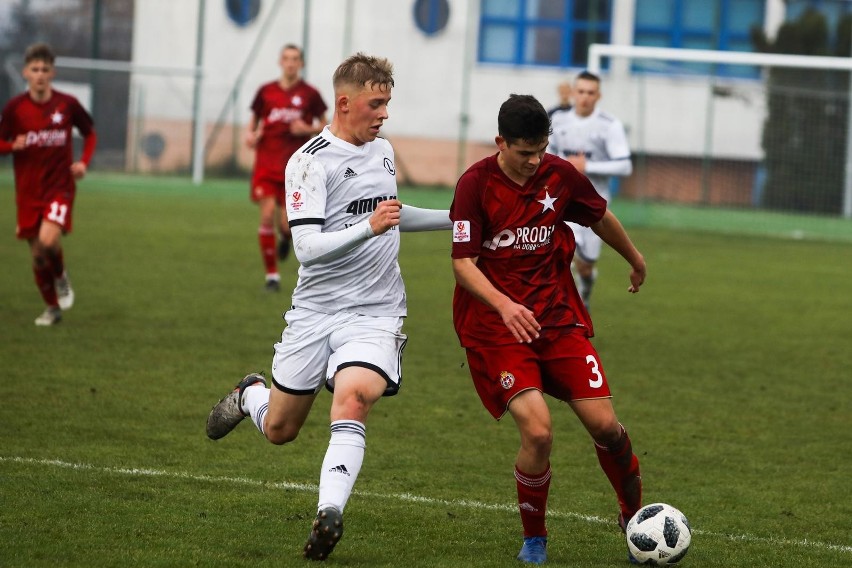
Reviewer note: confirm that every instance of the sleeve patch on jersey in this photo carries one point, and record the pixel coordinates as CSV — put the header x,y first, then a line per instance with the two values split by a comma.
x,y
297,202
461,231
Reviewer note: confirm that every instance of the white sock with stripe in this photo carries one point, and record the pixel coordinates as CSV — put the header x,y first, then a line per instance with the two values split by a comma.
x,y
255,402
342,463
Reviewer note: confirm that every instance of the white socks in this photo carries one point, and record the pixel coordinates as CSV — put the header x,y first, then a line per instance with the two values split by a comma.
x,y
254,402
344,456
342,463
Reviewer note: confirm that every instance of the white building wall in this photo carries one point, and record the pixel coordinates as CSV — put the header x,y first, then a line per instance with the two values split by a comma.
x,y
432,93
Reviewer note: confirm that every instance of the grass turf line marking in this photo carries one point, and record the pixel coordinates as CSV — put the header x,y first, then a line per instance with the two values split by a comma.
x,y
464,503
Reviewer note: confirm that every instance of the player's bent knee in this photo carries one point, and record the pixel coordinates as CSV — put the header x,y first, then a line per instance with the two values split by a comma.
x,y
606,433
539,440
280,435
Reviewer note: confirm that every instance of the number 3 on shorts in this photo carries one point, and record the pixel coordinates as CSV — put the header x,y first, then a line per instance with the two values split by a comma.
x,y
598,380
57,213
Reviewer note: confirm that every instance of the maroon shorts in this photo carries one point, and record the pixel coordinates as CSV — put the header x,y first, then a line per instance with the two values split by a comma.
x,y
264,187
564,366
32,214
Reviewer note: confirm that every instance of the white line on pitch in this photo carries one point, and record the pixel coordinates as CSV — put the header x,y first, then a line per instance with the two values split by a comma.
x,y
145,472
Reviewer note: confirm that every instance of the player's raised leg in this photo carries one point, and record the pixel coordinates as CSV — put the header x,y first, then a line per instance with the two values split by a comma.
x,y
615,452
228,412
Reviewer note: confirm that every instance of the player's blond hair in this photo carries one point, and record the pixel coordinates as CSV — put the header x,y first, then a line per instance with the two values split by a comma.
x,y
361,70
39,52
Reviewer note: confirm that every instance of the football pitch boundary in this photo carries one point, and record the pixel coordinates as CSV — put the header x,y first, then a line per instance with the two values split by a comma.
x,y
463,503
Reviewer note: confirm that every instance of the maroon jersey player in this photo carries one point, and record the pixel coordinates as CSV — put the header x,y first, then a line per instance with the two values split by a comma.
x,y
285,114
36,127
517,311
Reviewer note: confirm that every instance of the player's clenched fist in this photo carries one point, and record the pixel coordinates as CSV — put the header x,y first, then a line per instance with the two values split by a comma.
x,y
385,216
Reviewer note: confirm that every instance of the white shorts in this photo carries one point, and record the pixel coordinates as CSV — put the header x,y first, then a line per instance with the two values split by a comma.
x,y
588,242
314,346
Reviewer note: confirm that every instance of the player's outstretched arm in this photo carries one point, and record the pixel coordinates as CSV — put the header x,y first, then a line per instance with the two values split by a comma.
x,y
418,219
620,167
312,246
609,229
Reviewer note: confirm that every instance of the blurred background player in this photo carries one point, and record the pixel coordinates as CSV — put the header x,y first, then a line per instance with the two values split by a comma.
x,y
36,127
596,144
563,89
285,114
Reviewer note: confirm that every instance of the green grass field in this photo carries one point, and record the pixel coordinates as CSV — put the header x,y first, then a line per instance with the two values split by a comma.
x,y
731,370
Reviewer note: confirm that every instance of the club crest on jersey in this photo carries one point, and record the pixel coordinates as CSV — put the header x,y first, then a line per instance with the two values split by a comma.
x,y
461,232
507,379
389,166
296,203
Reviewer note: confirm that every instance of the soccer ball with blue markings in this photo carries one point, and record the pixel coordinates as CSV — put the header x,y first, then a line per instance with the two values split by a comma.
x,y
658,535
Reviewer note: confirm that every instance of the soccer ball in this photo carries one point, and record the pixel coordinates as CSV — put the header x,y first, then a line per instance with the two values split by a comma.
x,y
658,535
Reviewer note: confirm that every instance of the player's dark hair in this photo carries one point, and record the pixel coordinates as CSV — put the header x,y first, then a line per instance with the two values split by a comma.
x,y
589,76
361,69
297,48
39,52
522,117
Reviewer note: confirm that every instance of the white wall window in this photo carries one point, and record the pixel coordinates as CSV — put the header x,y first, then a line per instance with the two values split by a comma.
x,y
542,32
723,25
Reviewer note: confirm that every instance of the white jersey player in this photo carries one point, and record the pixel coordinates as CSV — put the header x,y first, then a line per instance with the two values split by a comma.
x,y
333,187
596,144
344,330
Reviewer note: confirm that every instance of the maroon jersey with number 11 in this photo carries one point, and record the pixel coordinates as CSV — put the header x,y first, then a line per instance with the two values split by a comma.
x,y
43,168
523,245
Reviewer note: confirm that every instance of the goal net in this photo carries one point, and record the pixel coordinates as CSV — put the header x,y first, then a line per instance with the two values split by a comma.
x,y
751,133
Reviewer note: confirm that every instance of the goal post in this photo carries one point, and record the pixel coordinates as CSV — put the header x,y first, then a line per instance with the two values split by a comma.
x,y
155,78
708,120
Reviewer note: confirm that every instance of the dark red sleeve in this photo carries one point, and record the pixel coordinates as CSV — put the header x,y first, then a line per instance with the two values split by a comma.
x,y
89,142
257,104
467,216
6,130
85,125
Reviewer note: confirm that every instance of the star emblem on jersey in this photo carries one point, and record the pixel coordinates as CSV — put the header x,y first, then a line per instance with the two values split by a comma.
x,y
547,202
56,117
